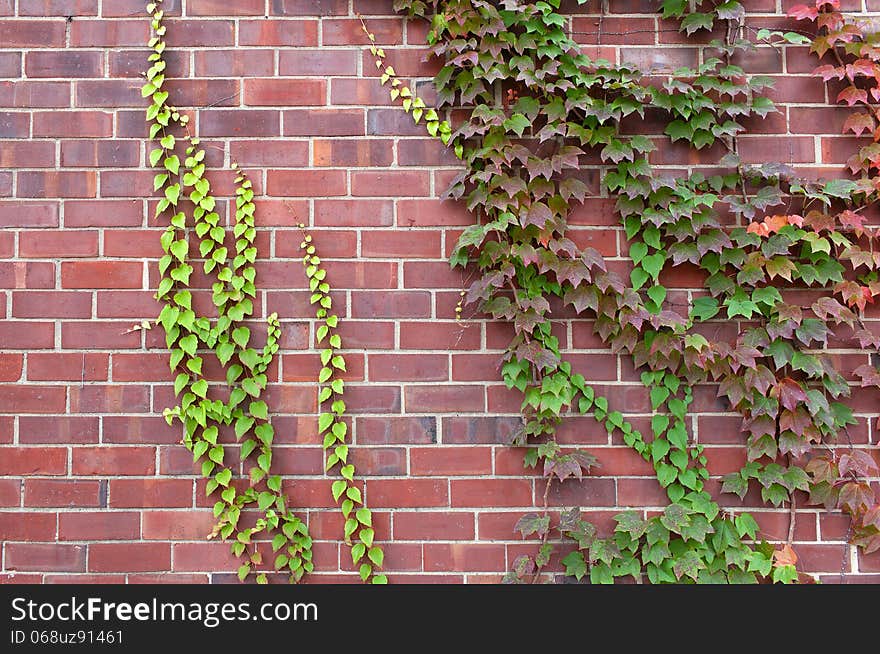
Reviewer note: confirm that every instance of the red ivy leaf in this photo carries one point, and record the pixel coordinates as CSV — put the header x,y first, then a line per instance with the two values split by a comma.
x,y
862,67
852,95
790,393
858,123
538,214
857,462
856,497
869,375
803,12
829,72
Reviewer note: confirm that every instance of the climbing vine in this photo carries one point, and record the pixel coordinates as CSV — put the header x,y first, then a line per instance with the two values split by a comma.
x,y
191,337
756,232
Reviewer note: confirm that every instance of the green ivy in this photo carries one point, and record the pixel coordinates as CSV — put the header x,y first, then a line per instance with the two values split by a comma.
x,y
192,337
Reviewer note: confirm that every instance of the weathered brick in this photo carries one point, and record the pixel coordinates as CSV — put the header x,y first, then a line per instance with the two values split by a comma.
x,y
64,63
45,558
32,33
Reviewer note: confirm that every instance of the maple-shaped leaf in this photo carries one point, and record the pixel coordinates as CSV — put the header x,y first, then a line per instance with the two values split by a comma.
x,y
569,518
829,72
688,564
858,123
532,523
582,298
784,555
534,352
862,68
790,393
538,214
869,375
858,463
856,497
632,523
796,419
791,443
851,95
803,12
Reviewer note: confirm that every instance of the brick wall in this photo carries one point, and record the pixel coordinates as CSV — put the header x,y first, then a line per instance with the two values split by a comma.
x,y
95,487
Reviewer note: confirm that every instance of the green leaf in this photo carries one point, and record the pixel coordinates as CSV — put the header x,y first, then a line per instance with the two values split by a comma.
x,y
338,489
377,556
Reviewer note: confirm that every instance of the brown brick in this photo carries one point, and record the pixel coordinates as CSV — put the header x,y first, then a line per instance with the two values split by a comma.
x,y
285,92
32,33
27,154
46,558
64,64
78,124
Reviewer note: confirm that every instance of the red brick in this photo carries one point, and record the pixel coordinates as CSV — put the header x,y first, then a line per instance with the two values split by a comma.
x,y
344,90
14,125
108,461
353,213
224,8
306,182
177,525
288,33
110,398
168,578
33,461
446,460
319,61
32,399
102,274
45,558
463,335
374,461
139,429
240,122
10,64
133,493
10,492
323,122
57,366
467,557
103,213
377,431
270,153
28,214
408,367
380,183
99,525
445,399
275,91
491,492
61,492
45,429
54,245
64,63
31,95
44,8
98,335
10,367
349,152
129,557
73,124
77,154
401,493
32,184
422,525
32,33
30,526
27,154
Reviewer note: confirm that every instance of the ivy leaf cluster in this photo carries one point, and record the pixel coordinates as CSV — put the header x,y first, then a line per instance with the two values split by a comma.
x,y
520,178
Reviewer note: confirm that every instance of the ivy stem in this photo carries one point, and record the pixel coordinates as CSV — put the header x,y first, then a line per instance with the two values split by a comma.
x,y
546,533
